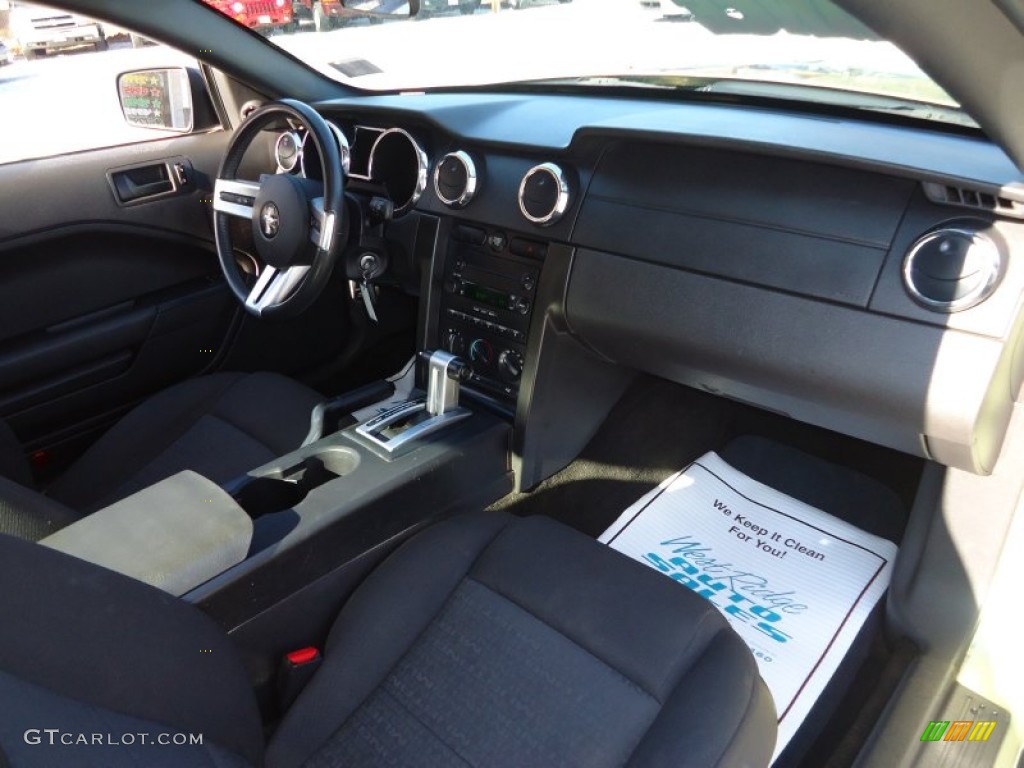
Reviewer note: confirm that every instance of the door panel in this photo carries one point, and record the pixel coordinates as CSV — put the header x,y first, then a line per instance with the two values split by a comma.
x,y
108,295
180,340
67,279
66,193
102,303
93,323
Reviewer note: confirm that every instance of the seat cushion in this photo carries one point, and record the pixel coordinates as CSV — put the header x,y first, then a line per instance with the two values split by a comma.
x,y
220,426
485,641
88,651
30,515
497,641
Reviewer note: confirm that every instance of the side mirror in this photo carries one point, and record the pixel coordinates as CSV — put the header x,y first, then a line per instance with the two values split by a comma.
x,y
157,98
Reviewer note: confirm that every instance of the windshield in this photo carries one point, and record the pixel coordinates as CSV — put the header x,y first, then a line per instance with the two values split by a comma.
x,y
792,49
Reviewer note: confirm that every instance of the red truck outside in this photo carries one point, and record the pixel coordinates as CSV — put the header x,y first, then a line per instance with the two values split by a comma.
x,y
261,15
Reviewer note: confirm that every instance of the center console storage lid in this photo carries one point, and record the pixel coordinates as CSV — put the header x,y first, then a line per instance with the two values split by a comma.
x,y
175,535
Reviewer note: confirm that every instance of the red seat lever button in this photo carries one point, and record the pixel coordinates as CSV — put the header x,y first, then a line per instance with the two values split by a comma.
x,y
303,656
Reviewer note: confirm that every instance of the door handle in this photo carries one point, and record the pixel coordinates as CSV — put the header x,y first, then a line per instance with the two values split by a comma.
x,y
144,181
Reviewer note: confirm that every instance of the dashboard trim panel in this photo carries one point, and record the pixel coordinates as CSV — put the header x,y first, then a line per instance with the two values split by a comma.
x,y
795,216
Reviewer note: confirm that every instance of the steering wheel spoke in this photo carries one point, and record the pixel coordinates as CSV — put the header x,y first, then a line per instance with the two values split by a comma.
x,y
235,197
274,286
321,233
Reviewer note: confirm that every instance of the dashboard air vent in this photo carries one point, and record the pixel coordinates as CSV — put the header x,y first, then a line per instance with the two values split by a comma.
x,y
544,194
950,194
455,179
953,268
249,107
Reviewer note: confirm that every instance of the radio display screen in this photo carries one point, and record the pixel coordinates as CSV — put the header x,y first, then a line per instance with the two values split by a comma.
x,y
485,295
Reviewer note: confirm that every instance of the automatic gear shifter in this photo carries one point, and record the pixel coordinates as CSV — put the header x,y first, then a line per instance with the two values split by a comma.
x,y
443,376
399,427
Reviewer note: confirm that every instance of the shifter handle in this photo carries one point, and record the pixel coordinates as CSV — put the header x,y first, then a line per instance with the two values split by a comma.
x,y
457,369
444,373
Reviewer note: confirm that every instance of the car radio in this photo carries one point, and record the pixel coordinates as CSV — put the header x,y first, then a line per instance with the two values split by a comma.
x,y
489,289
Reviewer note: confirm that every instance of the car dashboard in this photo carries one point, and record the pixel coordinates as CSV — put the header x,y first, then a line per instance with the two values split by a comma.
x,y
851,274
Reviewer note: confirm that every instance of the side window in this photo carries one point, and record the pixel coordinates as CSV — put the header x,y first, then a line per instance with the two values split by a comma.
x,y
60,89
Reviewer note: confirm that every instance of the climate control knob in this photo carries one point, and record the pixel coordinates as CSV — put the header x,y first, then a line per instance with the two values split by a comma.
x,y
510,365
481,352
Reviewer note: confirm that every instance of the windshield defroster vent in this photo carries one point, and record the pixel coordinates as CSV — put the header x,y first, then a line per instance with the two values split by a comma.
x,y
965,197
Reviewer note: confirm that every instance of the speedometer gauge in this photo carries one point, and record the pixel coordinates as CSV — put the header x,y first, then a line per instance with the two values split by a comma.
x,y
310,157
399,163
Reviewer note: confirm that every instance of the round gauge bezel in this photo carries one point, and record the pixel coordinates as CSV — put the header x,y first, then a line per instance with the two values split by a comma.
x,y
344,150
422,168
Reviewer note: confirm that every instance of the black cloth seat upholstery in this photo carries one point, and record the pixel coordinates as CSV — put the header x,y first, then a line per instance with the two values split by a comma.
x,y
220,426
486,640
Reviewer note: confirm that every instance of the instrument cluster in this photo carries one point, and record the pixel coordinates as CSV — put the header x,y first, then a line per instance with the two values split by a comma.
x,y
389,157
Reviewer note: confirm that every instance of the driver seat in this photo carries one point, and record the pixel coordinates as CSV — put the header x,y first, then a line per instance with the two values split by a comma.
x,y
220,426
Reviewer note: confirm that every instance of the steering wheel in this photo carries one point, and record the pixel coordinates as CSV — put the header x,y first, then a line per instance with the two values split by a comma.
x,y
297,223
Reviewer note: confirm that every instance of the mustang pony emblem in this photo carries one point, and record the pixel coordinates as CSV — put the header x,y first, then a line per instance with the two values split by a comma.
x,y
270,220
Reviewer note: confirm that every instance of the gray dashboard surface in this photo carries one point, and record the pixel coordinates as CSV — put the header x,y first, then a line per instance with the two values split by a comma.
x,y
549,123
795,226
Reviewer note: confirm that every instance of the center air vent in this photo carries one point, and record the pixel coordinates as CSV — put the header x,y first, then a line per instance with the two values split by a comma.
x,y
544,194
455,179
952,269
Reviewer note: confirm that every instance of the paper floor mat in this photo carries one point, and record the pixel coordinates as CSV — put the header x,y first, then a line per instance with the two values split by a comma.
x,y
796,583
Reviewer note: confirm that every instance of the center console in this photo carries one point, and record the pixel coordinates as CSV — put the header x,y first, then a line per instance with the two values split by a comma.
x,y
488,296
496,298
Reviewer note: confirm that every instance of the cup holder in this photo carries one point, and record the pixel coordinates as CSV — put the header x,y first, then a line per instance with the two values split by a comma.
x,y
340,461
283,489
